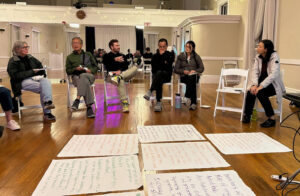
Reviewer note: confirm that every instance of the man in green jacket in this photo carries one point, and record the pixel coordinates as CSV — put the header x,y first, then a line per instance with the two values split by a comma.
x,y
81,66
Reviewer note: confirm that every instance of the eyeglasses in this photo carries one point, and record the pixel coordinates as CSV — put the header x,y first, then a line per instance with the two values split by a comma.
x,y
25,47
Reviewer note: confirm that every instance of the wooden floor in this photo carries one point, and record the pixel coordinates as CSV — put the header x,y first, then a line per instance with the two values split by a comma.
x,y
25,155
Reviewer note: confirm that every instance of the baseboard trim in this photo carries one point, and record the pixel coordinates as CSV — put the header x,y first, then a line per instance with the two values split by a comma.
x,y
292,90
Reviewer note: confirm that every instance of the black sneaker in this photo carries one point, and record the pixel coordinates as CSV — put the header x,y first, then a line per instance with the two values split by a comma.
x,y
268,123
1,130
75,104
90,112
49,117
49,105
246,119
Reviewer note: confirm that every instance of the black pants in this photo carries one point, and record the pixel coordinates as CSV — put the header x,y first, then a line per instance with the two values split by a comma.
x,y
5,99
263,97
191,87
158,79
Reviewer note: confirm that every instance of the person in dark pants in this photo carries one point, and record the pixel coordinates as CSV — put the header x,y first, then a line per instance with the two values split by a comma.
x,y
189,65
6,103
265,82
161,63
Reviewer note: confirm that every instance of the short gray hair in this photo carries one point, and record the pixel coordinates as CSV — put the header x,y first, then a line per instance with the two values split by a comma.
x,y
18,45
79,38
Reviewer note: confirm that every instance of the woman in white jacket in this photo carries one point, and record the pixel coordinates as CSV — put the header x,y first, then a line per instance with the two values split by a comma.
x,y
265,82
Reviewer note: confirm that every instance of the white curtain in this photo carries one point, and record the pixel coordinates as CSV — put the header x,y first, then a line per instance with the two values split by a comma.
x,y
70,36
261,24
35,48
270,18
15,35
56,61
125,35
151,41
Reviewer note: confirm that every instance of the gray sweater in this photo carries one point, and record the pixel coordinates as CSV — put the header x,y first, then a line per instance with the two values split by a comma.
x,y
195,63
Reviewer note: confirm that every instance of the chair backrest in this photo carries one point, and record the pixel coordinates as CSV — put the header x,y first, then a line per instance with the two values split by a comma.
x,y
234,72
230,64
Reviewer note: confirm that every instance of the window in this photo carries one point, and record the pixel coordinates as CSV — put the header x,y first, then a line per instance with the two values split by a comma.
x,y
223,9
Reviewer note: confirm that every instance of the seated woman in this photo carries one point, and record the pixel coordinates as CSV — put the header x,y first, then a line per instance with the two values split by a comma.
x,y
189,65
265,82
6,103
26,73
161,68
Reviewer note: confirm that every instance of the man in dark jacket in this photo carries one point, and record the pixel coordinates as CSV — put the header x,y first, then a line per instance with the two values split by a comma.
x,y
82,66
116,65
27,73
161,72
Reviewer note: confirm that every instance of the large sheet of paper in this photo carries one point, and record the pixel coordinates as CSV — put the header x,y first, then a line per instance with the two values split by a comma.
x,y
100,145
246,143
90,175
209,183
162,133
169,156
138,193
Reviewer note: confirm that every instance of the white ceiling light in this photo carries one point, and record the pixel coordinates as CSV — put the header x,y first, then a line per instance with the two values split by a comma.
x,y
139,27
74,25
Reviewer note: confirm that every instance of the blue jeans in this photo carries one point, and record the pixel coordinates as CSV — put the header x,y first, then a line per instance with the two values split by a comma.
x,y
42,87
5,99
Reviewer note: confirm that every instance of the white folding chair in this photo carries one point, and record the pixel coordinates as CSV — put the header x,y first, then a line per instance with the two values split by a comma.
x,y
277,111
71,85
170,85
231,79
183,87
146,65
20,108
106,84
222,88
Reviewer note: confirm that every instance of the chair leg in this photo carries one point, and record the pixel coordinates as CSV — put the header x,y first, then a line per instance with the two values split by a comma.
x,y
19,109
95,100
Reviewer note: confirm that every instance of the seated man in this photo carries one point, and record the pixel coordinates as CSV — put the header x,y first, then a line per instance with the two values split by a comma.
x,y
27,73
161,72
81,66
147,55
117,67
6,103
138,58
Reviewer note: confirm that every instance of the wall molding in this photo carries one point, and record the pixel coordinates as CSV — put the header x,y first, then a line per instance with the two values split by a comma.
x,y
233,19
292,90
4,57
290,61
216,58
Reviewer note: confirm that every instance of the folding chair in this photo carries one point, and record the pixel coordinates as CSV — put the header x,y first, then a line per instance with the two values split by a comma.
x,y
170,85
222,88
183,87
71,85
147,65
106,97
20,108
277,111
231,79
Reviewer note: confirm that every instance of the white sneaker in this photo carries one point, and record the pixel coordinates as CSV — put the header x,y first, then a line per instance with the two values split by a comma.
x,y
13,125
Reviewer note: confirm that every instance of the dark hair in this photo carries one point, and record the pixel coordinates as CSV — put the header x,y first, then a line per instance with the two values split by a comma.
x,y
111,42
192,43
268,44
147,49
163,40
